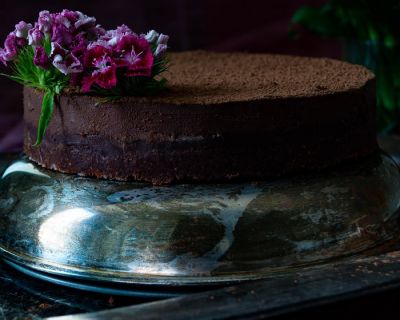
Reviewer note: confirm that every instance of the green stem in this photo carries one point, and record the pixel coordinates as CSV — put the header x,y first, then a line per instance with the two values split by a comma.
x,y
45,116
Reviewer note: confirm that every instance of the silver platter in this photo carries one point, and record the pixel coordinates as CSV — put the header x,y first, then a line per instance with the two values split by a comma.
x,y
194,235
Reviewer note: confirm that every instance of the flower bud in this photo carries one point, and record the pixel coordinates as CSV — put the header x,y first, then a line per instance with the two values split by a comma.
x,y
151,36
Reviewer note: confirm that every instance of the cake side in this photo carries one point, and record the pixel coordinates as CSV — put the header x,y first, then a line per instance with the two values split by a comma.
x,y
176,137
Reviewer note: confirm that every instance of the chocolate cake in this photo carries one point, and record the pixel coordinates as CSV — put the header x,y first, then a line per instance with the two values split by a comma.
x,y
225,116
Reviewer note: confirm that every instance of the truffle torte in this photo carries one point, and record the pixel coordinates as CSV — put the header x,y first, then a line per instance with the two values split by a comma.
x,y
225,116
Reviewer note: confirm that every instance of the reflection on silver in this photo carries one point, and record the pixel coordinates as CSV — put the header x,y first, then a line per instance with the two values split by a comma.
x,y
194,234
22,166
224,204
58,231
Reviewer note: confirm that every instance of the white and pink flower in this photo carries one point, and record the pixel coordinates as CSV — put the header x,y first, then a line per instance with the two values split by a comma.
x,y
22,29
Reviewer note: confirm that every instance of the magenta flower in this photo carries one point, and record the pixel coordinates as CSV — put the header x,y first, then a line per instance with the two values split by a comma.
x,y
65,61
104,74
35,37
135,54
21,29
45,22
41,59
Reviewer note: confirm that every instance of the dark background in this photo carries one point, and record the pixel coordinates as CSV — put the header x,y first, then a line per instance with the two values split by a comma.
x,y
218,25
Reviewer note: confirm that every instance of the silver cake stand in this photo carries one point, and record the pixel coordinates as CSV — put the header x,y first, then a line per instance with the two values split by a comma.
x,y
136,239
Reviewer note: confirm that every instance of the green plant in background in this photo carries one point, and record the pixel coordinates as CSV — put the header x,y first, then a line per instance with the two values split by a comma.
x,y
370,31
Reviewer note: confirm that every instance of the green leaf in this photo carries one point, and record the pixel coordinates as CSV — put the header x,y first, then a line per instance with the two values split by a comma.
x,y
45,116
353,19
50,80
318,20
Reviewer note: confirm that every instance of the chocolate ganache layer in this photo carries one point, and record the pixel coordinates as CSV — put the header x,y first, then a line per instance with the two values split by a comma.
x,y
225,116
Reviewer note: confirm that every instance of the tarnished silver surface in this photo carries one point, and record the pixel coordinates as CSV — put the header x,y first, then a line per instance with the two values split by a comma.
x,y
194,234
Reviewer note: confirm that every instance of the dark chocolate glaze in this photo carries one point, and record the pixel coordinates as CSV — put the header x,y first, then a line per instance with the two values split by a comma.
x,y
205,136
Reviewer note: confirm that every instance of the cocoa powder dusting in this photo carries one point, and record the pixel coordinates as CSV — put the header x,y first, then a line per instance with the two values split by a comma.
x,y
206,78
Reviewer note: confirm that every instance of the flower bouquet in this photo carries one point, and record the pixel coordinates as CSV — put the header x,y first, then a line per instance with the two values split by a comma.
x,y
68,49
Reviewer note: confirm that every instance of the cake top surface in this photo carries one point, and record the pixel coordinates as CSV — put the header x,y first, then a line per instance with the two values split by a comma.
x,y
201,77
204,77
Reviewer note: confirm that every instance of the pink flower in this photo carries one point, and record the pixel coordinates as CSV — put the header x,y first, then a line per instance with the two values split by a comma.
x,y
41,59
104,74
10,50
65,61
35,37
135,54
21,29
